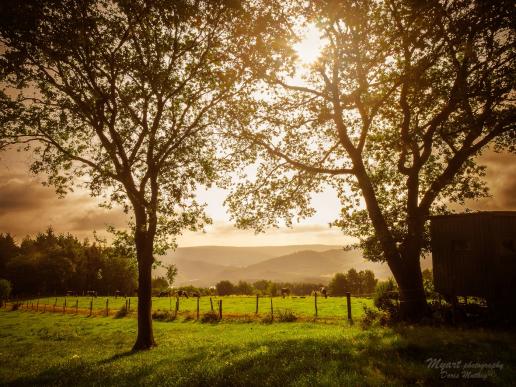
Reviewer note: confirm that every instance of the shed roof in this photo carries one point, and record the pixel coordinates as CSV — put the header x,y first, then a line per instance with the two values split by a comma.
x,y
477,213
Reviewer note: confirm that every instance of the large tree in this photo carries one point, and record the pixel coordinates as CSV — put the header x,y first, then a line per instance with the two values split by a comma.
x,y
393,114
125,96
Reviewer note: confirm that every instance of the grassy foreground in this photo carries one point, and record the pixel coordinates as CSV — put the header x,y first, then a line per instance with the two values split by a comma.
x,y
38,348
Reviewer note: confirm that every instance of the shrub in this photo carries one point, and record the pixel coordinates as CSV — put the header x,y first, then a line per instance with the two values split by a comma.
x,y
267,319
370,318
286,316
122,312
163,315
16,306
5,290
385,294
210,317
374,317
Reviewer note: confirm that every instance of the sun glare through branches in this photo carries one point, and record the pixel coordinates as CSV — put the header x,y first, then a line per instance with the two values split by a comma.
x,y
310,46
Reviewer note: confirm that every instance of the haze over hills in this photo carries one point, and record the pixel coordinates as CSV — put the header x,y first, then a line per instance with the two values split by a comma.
x,y
239,256
207,265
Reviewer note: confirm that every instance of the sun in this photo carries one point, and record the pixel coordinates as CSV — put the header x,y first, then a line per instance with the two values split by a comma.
x,y
310,47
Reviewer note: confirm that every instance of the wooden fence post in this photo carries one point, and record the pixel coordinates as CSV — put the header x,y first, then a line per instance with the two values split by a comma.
x,y
54,306
257,296
129,304
44,307
37,305
170,303
348,300
315,303
272,311
91,306
107,307
177,305
76,305
220,309
64,306
211,304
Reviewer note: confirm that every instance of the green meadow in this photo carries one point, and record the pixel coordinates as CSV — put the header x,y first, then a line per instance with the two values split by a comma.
x,y
57,349
232,306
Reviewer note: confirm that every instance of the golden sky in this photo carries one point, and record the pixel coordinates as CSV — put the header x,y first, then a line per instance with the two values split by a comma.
x,y
26,207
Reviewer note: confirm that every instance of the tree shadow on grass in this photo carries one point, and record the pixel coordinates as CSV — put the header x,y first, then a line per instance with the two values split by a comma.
x,y
375,357
117,356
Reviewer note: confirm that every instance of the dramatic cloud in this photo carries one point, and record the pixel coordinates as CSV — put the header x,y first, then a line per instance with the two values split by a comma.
x,y
501,178
27,207
20,195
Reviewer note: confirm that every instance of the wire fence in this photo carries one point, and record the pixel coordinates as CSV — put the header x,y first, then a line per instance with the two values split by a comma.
x,y
304,307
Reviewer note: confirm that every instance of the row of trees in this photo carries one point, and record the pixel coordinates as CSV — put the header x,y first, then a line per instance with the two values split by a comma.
x,y
264,287
140,96
357,283
51,264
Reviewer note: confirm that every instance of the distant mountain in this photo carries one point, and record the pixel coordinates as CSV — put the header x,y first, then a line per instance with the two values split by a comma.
x,y
207,265
238,256
306,265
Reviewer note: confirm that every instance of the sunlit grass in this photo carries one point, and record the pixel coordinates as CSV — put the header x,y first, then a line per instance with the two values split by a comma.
x,y
330,308
69,350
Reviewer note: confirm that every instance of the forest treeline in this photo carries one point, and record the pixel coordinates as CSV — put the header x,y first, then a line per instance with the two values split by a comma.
x,y
51,263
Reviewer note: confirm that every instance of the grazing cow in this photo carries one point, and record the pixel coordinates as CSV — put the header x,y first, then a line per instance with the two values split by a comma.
x,y
212,289
285,292
71,293
324,292
92,293
117,293
195,294
182,293
165,293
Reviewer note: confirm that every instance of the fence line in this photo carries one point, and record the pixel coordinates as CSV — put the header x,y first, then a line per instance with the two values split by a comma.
x,y
92,306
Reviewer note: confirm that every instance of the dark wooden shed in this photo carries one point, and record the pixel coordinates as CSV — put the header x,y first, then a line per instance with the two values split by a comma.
x,y
474,254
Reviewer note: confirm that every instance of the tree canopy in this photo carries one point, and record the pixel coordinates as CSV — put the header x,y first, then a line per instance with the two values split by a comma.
x,y
402,99
125,97
51,263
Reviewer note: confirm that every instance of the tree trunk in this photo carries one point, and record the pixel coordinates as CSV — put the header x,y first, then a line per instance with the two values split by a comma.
x,y
413,304
145,338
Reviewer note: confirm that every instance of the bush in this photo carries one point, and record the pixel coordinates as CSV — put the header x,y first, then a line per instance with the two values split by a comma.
x,y
5,290
385,294
286,316
210,317
163,315
267,319
374,317
16,306
122,312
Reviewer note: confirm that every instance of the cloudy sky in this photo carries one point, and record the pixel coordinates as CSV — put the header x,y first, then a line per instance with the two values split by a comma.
x,y
26,207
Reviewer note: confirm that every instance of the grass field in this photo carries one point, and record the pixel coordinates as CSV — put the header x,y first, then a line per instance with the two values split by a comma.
x,y
328,308
51,348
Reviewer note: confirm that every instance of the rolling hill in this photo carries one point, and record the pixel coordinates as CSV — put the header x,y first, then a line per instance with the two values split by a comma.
x,y
238,256
206,265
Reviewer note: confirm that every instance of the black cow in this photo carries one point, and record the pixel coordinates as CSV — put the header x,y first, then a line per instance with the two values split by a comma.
x,y
195,294
285,292
117,293
324,292
165,293
92,293
71,293
182,293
